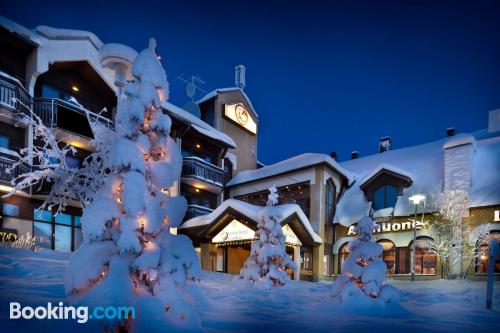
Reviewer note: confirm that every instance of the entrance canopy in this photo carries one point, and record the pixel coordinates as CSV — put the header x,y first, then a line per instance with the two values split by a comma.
x,y
236,221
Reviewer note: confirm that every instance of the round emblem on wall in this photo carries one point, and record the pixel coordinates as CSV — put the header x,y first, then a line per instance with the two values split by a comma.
x,y
241,114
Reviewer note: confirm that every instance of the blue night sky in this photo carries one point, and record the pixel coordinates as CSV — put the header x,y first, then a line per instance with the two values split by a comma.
x,y
323,77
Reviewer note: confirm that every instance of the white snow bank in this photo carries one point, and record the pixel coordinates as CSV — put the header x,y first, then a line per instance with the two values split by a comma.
x,y
294,163
56,33
253,213
197,124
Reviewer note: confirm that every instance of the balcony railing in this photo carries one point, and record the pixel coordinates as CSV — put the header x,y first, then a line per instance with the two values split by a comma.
x,y
194,167
11,92
7,159
49,109
195,211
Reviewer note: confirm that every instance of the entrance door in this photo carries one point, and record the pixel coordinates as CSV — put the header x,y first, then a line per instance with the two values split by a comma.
x,y
236,257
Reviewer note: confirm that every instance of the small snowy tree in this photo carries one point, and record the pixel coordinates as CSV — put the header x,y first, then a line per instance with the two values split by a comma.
x,y
364,271
268,258
450,234
129,257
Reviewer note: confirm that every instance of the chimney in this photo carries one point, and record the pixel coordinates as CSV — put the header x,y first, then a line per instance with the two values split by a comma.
x,y
450,131
384,144
333,155
354,155
239,76
494,121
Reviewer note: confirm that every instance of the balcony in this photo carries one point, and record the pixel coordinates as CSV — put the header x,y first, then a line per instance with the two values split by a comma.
x,y
11,89
196,168
55,112
7,159
195,211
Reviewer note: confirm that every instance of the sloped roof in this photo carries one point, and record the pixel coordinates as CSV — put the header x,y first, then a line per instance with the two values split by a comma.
x,y
215,92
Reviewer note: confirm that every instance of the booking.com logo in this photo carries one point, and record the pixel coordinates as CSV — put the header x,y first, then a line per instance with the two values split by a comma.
x,y
80,313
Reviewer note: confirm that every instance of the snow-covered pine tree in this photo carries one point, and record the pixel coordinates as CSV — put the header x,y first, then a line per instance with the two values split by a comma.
x,y
129,257
364,271
268,258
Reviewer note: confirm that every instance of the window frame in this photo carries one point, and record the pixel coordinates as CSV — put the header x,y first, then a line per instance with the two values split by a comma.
x,y
73,226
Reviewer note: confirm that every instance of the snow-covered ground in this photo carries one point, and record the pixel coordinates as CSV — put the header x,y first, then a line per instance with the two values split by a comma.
x,y
437,306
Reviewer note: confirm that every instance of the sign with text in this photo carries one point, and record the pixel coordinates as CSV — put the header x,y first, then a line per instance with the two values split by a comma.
x,y
389,227
241,116
496,216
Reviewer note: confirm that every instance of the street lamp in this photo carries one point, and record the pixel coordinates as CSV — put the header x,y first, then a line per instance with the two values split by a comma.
x,y
415,199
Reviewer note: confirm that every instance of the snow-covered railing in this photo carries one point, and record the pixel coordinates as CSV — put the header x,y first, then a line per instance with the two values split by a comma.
x,y
11,92
195,211
7,159
194,167
48,108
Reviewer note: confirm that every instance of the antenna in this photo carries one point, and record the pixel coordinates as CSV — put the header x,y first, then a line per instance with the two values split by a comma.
x,y
239,76
193,83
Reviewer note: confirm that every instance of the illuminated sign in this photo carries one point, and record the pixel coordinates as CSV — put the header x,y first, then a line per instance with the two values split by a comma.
x,y
497,216
240,115
236,231
389,227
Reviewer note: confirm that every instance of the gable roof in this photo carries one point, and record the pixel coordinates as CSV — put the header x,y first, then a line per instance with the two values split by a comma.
x,y
215,92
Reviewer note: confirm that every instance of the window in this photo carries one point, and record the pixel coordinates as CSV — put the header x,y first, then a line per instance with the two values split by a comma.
x,y
389,255
385,196
4,141
10,210
482,257
425,256
343,254
61,232
328,264
306,260
329,201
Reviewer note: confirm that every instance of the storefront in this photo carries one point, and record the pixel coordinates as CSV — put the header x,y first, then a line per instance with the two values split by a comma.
x,y
224,237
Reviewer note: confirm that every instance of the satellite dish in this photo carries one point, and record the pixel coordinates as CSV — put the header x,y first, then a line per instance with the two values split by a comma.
x,y
192,108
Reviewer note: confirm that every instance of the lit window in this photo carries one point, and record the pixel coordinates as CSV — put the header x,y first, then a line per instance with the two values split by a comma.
x,y
389,255
343,254
10,210
482,257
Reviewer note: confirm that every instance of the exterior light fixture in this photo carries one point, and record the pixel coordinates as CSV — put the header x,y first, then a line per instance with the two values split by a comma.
x,y
416,200
197,190
75,88
165,191
198,146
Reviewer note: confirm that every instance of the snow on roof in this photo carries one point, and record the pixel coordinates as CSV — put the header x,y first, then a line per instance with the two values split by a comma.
x,y
56,33
116,50
425,166
199,125
252,212
294,163
387,167
20,30
485,187
215,92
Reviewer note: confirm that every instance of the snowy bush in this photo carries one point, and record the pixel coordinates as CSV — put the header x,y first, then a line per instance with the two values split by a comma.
x,y
268,258
364,271
129,256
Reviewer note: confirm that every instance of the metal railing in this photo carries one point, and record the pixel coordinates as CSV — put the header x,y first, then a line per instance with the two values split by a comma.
x,y
10,90
195,167
7,159
195,211
48,109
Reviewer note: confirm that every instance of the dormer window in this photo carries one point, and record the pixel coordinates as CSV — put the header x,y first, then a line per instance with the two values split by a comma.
x,y
383,185
384,197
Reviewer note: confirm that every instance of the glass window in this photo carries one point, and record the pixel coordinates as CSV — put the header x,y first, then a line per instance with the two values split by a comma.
x,y
78,237
306,261
329,201
403,265
63,238
63,219
389,255
4,141
49,92
43,215
78,222
43,234
343,254
482,257
385,196
10,210
425,256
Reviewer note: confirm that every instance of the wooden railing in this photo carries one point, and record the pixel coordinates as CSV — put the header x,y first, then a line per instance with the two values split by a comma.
x,y
195,211
12,94
48,108
195,167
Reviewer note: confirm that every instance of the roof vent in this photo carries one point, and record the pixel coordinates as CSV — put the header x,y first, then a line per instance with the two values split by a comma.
x,y
450,131
239,76
354,155
384,144
333,155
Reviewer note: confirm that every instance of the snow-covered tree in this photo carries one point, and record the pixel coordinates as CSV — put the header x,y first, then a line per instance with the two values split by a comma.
x,y
129,257
268,258
364,271
48,165
450,234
